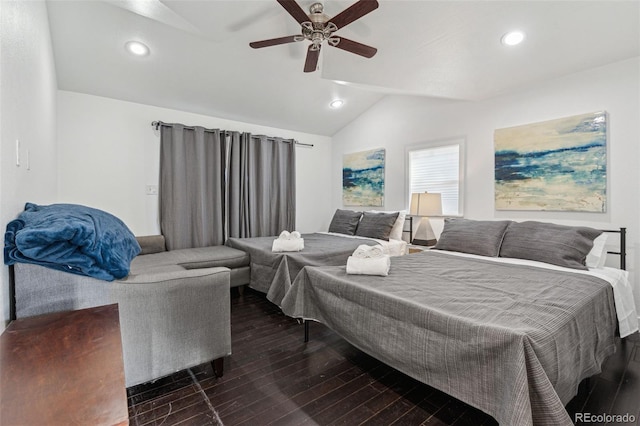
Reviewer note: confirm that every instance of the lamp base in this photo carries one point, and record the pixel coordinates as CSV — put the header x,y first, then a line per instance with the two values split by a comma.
x,y
424,234
428,243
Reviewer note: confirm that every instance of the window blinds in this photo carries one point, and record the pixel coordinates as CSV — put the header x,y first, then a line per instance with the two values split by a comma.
x,y
437,169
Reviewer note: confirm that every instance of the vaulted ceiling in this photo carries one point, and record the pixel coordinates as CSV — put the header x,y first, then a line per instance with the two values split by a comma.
x,y
200,60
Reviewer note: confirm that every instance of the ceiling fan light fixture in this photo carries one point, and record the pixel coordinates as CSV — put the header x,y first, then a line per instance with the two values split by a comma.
x,y
333,41
336,103
512,38
137,48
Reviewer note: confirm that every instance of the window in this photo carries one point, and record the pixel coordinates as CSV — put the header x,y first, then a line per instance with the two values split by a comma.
x,y
437,167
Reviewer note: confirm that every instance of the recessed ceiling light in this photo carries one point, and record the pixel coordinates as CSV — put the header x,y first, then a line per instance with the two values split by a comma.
x,y
337,103
512,38
137,48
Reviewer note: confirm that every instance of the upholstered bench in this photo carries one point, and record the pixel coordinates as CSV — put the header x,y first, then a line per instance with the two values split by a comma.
x,y
171,318
174,305
154,255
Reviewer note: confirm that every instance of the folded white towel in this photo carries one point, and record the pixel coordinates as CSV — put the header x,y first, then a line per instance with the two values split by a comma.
x,y
369,266
288,245
286,235
365,252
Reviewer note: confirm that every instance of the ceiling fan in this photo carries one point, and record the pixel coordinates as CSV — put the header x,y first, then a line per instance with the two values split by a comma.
x,y
318,27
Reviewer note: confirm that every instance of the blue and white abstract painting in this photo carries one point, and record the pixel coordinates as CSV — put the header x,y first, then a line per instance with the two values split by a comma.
x,y
557,165
363,178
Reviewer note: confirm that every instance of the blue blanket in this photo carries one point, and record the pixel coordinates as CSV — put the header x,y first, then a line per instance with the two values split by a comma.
x,y
71,238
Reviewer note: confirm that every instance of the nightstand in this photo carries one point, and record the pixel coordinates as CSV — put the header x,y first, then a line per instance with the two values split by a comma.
x,y
411,248
64,368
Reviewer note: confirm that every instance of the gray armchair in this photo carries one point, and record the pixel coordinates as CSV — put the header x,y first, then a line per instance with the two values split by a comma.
x,y
171,318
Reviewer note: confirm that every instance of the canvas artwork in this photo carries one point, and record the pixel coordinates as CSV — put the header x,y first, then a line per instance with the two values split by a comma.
x,y
557,165
363,178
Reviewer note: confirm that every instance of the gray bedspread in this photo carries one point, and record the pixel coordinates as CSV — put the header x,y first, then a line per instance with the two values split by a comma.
x,y
272,273
513,341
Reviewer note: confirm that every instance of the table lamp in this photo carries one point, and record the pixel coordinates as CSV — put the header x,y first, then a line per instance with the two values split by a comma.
x,y
425,204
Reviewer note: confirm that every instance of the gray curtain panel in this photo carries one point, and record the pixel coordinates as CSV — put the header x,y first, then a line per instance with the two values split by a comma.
x,y
192,186
261,185
216,184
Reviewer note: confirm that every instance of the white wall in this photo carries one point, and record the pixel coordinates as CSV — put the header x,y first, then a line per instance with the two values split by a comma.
x,y
109,153
27,113
397,121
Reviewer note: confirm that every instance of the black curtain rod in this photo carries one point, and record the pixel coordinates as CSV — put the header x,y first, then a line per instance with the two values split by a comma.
x,y
157,125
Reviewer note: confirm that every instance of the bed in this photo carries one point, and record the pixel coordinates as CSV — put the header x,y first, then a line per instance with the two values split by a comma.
x,y
274,272
512,337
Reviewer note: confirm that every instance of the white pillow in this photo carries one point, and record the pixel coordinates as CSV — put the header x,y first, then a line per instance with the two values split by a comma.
x,y
598,254
398,225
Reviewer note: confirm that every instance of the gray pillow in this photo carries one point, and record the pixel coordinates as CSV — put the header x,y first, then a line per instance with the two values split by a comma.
x,y
482,237
376,225
150,244
345,222
560,245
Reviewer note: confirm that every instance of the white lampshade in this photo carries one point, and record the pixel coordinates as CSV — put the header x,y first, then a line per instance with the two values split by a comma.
x,y
426,204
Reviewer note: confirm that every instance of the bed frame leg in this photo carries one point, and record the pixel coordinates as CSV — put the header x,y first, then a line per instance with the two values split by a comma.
x,y
306,331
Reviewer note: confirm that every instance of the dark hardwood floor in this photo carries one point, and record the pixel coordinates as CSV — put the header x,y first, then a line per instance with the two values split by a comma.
x,y
274,378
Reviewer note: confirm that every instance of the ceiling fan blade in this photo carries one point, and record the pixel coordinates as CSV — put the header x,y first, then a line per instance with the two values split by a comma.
x,y
353,12
294,10
274,41
355,47
311,63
